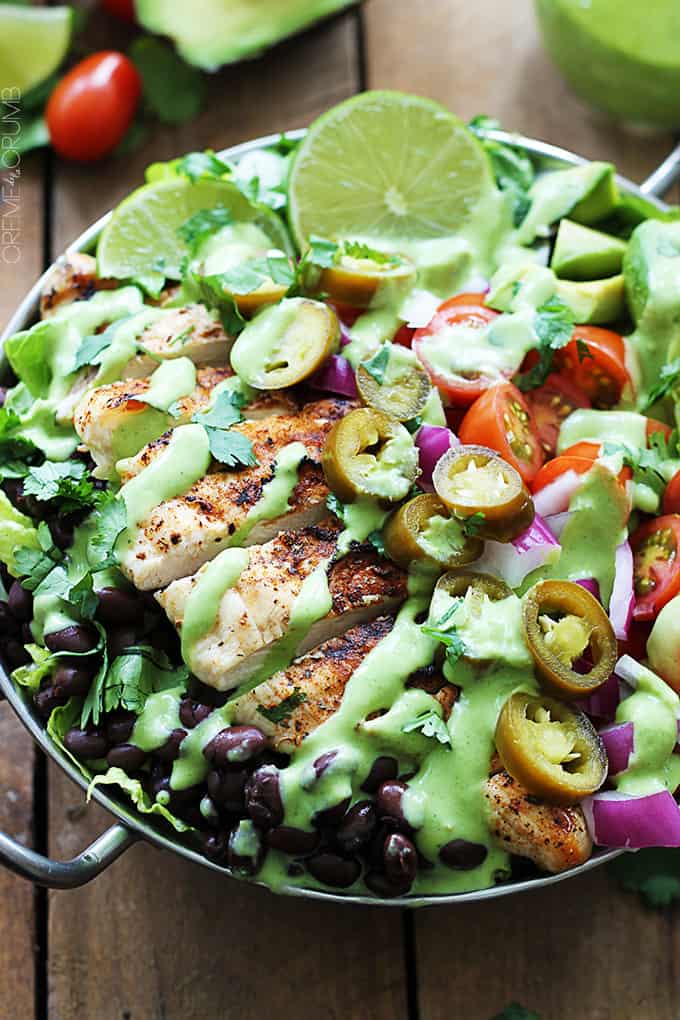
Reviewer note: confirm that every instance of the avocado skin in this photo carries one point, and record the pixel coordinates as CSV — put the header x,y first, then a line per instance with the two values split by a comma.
x,y
581,253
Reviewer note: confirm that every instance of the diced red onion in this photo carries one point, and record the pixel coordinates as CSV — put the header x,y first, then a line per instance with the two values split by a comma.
x,y
419,308
631,823
556,522
336,375
554,498
623,596
629,670
603,702
432,441
618,743
512,561
345,337
590,584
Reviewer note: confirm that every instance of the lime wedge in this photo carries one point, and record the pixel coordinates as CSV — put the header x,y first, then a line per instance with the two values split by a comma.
x,y
33,42
387,167
141,240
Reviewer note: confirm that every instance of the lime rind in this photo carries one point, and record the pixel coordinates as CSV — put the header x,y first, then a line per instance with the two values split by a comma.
x,y
141,242
33,43
387,167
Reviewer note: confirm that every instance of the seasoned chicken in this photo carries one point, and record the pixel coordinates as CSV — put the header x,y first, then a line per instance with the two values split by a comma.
x,y
255,614
554,838
192,331
185,532
321,676
113,421
73,277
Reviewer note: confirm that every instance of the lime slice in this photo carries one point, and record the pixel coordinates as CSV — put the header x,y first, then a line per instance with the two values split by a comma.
x,y
33,42
141,240
387,167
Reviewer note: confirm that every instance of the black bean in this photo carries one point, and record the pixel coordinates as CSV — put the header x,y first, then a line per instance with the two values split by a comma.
x,y
76,638
462,855
206,695
215,846
333,870
15,653
126,757
119,608
20,602
228,789
8,624
120,638
46,700
165,639
357,827
61,530
323,761
246,864
14,489
72,681
388,802
293,841
191,713
5,576
382,769
84,744
380,885
26,633
263,797
170,749
401,860
332,816
234,745
119,725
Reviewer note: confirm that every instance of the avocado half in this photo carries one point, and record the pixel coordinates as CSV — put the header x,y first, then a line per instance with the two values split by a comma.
x,y
210,33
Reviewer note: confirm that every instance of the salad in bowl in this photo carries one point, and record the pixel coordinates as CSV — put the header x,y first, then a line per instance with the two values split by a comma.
x,y
340,507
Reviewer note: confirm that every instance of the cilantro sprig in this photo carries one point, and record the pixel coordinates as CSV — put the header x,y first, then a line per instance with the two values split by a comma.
x,y
669,378
554,327
228,447
512,168
444,631
64,483
279,713
377,365
430,725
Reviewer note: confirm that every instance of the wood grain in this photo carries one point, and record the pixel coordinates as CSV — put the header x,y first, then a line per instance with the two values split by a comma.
x,y
155,937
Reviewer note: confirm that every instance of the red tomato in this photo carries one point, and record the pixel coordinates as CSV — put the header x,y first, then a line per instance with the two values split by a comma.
x,y
404,336
579,458
603,375
551,403
658,426
121,8
347,315
502,419
656,558
466,310
636,642
671,497
92,106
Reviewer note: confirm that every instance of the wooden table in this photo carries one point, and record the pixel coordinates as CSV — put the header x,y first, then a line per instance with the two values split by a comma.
x,y
155,938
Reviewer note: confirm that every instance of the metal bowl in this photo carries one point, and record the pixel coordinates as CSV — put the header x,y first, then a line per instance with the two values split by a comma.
x,y
132,826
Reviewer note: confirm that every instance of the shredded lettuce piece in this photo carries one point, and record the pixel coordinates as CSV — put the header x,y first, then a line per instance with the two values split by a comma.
x,y
16,532
34,673
138,796
60,722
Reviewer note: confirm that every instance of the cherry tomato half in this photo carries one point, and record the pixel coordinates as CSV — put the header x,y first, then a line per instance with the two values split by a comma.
x,y
551,403
579,458
502,419
120,8
658,426
404,336
671,497
656,559
92,106
463,310
599,367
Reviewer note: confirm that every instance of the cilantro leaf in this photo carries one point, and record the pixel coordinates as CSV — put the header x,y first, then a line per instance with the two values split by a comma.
x,y
647,464
445,632
473,523
202,225
512,168
173,90
247,276
279,713
583,350
65,481
83,597
377,541
202,164
654,874
93,346
111,522
554,327
669,378
377,365
226,411
285,145
93,706
13,447
430,725
137,673
335,506
231,448
513,1011
34,566
358,250
321,252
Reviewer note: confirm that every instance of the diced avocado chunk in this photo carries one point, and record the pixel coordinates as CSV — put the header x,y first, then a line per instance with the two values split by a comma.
x,y
210,33
586,194
600,200
594,301
581,253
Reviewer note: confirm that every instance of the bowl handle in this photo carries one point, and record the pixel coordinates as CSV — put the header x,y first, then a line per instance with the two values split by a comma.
x,y
66,874
658,182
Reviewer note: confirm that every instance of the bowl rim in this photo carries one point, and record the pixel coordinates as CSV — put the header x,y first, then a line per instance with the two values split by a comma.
x,y
150,829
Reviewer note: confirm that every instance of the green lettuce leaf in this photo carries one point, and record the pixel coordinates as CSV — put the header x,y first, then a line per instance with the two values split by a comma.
x,y
16,532
32,675
138,796
60,722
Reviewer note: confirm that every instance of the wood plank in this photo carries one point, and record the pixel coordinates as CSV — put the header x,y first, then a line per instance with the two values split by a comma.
x,y
156,937
21,257
586,942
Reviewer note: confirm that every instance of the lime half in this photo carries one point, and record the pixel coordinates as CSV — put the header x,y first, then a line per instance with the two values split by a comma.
x,y
141,240
387,167
33,42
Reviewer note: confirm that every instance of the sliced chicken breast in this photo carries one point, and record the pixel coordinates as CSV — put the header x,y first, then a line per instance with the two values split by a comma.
x,y
192,331
257,613
183,533
72,278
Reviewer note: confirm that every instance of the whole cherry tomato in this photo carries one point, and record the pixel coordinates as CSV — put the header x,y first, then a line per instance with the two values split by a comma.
x,y
92,106
502,420
656,560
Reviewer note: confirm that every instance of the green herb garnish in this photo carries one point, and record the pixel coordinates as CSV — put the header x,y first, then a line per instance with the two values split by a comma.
x,y
279,713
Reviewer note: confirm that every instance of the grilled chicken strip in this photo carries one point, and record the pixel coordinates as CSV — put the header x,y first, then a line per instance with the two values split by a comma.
x,y
321,675
255,615
72,278
183,533
113,421
554,838
192,331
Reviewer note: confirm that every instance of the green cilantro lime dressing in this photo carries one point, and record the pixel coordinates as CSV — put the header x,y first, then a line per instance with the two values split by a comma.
x,y
373,328
624,427
203,604
556,194
124,345
276,493
232,246
157,720
442,537
653,708
171,381
360,518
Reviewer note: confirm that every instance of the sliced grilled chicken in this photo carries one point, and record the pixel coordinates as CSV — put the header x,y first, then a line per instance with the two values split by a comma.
x,y
113,421
72,278
554,838
192,331
183,533
321,676
255,614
